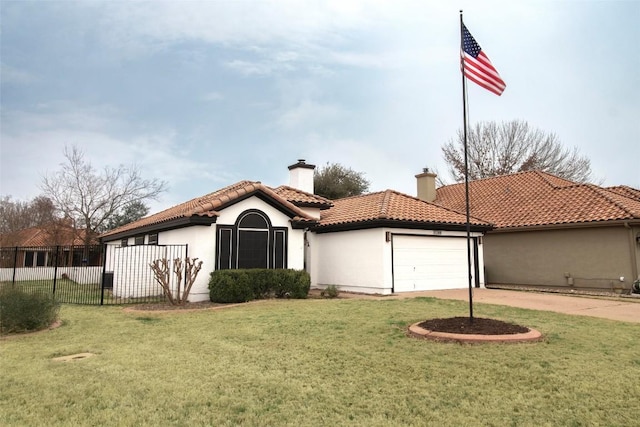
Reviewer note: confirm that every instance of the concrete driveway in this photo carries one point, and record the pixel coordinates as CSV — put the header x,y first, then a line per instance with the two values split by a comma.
x,y
623,309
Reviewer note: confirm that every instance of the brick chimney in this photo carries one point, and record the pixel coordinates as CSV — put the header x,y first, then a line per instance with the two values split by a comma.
x,y
301,176
426,185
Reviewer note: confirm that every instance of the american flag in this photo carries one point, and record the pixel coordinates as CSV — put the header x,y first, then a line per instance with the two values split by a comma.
x,y
476,65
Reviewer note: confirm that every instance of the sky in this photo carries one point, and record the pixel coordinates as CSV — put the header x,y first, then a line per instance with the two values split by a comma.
x,y
203,94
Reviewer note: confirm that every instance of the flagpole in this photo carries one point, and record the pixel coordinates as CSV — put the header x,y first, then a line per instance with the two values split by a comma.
x,y
466,172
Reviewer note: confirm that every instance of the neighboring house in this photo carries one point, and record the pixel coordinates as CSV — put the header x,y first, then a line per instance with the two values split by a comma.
x,y
551,232
382,242
37,246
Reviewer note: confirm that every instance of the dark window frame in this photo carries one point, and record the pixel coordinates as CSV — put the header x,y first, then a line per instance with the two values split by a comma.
x,y
230,238
139,240
152,239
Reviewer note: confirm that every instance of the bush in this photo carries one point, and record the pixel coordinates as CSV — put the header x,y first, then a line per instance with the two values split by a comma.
x,y
330,291
292,283
21,311
227,286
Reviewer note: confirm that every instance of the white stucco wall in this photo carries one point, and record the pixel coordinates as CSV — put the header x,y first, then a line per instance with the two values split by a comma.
x,y
201,240
361,260
351,260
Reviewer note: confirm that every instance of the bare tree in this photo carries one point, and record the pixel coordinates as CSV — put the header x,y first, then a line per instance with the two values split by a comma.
x,y
19,215
335,181
509,147
90,198
162,273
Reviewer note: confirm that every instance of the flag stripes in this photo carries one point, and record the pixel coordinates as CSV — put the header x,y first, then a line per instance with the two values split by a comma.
x,y
477,67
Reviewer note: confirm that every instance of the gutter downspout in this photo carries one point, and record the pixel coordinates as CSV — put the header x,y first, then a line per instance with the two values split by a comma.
x,y
632,252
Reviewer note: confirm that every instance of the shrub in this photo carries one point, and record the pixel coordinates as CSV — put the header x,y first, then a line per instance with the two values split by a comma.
x,y
21,311
226,286
261,282
291,283
330,291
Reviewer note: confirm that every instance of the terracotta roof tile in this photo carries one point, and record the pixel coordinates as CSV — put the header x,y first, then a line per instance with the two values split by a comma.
x,y
625,191
208,205
43,236
390,205
302,198
538,198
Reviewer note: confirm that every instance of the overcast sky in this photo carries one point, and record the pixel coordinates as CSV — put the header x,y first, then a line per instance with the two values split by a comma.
x,y
205,94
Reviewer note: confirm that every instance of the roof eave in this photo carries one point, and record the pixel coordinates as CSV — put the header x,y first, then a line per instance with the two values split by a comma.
x,y
414,225
162,226
569,225
321,206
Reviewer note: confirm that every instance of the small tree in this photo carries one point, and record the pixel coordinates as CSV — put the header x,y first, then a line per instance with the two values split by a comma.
x,y
509,147
162,273
129,213
335,181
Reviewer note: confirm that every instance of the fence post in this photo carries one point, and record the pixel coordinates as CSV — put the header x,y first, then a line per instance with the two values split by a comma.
x,y
55,269
186,255
15,265
104,270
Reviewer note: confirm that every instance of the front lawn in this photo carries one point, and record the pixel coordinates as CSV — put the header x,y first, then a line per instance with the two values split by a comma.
x,y
318,362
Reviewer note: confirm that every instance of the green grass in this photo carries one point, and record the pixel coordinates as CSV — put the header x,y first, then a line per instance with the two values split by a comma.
x,y
68,291
318,362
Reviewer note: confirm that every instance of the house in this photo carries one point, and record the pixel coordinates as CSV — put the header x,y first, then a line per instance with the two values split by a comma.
x,y
382,242
51,251
37,246
552,232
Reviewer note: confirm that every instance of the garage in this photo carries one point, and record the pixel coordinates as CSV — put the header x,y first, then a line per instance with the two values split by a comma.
x,y
422,263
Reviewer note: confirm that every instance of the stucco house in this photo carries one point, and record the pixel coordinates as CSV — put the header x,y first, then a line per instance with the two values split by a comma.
x,y
383,242
552,232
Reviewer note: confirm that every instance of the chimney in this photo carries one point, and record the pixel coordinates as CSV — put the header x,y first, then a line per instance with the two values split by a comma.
x,y
301,176
426,185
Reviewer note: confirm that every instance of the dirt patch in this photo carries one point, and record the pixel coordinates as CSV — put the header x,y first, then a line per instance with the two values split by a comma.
x,y
73,357
188,307
480,326
54,325
165,306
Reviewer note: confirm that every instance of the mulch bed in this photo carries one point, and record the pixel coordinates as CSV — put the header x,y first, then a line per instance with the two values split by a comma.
x,y
479,326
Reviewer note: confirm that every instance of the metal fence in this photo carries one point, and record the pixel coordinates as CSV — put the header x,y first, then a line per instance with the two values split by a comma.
x,y
94,275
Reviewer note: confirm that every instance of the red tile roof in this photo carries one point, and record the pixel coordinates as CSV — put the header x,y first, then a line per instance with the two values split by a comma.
x,y
208,205
539,199
392,206
301,198
44,236
625,191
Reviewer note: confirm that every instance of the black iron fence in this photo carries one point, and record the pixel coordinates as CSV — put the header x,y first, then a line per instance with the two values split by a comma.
x,y
103,274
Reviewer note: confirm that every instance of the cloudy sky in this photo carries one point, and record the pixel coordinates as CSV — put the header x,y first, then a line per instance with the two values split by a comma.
x,y
204,94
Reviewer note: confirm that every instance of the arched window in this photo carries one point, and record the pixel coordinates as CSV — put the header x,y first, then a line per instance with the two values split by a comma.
x,y
252,242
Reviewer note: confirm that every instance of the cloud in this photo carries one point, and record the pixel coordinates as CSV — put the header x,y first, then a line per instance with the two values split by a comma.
x,y
16,76
309,115
34,142
212,96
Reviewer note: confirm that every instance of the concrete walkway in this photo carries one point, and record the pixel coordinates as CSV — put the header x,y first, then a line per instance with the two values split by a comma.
x,y
623,309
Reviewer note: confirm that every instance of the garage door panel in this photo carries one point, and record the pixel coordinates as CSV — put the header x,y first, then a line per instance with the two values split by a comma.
x,y
427,263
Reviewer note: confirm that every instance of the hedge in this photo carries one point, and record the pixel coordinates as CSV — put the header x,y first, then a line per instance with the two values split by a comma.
x,y
231,286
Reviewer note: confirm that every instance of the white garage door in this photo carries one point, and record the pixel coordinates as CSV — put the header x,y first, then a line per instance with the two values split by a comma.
x,y
422,263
